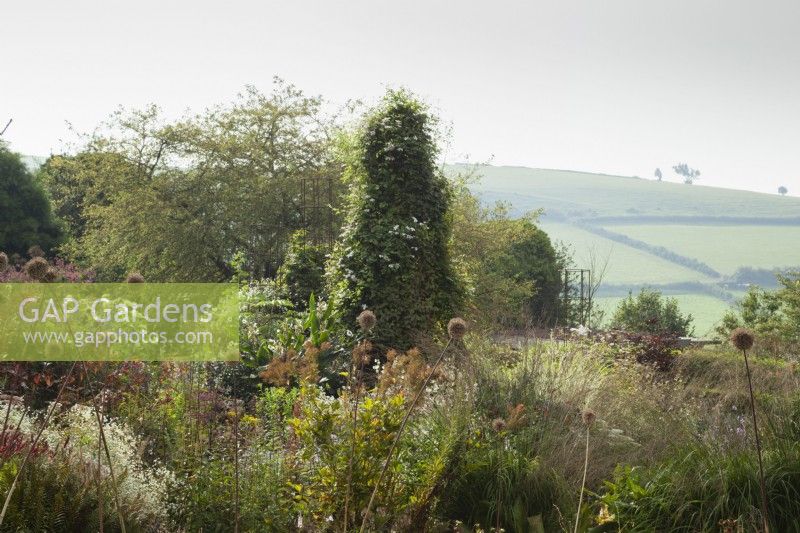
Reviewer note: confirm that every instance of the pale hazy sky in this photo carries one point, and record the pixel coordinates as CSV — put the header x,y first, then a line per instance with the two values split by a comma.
x,y
616,86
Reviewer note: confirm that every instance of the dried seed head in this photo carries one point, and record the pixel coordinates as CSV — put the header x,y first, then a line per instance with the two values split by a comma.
x,y
36,268
35,251
742,338
457,328
588,417
51,275
3,261
498,424
366,320
134,277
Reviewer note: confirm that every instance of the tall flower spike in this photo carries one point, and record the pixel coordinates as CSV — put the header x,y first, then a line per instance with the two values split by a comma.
x,y
457,328
366,320
588,417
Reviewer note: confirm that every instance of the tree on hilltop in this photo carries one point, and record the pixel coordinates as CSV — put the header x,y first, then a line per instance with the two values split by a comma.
x,y
782,190
658,174
690,175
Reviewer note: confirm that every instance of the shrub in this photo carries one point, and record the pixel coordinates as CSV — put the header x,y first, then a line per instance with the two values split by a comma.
x,y
773,314
393,256
660,351
510,268
201,499
303,270
650,312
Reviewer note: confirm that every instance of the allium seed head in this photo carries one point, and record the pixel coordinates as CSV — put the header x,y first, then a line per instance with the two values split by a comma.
x,y
366,320
3,261
134,277
498,424
742,338
36,268
35,251
457,328
51,275
588,417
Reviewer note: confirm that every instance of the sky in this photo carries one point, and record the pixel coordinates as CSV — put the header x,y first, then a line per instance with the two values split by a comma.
x,y
611,86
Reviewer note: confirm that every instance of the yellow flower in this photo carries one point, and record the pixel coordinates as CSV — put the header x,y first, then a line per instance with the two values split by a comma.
x,y
249,420
604,516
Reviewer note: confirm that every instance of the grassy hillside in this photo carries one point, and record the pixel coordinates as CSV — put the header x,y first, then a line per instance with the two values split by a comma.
x,y
684,239
564,193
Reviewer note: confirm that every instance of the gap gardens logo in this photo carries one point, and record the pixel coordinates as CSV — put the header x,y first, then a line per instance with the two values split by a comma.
x,y
119,321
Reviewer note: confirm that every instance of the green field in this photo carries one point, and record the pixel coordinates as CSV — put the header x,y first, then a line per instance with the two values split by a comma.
x,y
724,248
723,228
626,265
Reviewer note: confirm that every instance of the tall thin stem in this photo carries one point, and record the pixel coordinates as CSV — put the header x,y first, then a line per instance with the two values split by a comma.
x,y
583,483
356,394
107,453
99,476
399,433
236,455
762,485
499,502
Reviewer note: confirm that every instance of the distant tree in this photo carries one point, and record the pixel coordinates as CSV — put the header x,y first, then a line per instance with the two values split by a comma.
x,y
25,215
658,174
690,175
782,190
650,312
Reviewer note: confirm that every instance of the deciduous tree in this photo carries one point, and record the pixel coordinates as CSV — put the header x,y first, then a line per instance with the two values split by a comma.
x,y
26,218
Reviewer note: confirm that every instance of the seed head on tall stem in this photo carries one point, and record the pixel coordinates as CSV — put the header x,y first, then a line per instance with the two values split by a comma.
x,y
456,329
744,339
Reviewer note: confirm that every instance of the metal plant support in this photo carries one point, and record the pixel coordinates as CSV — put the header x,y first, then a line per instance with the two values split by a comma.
x,y
576,296
317,213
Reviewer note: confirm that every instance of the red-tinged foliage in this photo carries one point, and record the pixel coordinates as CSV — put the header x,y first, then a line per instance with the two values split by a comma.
x,y
59,271
655,350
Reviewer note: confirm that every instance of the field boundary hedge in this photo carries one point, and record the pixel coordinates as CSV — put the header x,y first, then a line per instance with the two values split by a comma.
x,y
658,251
